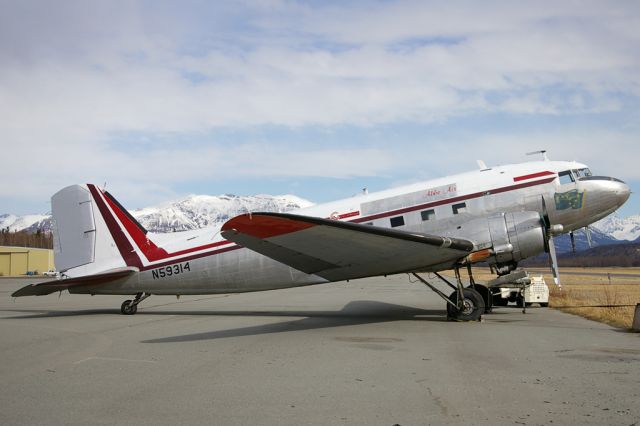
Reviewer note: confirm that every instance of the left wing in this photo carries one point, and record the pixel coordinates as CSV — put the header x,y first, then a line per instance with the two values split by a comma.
x,y
338,250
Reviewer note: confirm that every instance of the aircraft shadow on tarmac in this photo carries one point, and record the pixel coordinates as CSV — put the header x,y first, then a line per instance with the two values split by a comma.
x,y
353,313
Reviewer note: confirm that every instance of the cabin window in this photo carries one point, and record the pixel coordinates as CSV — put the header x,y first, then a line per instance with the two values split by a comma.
x,y
397,221
459,208
565,177
428,214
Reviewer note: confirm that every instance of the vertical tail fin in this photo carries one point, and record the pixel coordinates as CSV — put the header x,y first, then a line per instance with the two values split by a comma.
x,y
83,244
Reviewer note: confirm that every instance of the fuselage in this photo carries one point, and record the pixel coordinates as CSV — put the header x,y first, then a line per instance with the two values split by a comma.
x,y
202,262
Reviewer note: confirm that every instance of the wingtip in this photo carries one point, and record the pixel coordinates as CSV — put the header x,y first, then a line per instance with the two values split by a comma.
x,y
33,290
264,225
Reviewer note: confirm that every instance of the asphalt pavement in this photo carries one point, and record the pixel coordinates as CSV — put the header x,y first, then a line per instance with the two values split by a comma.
x,y
368,352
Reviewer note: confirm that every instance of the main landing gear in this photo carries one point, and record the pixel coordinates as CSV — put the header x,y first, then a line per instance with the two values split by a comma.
x,y
464,304
130,307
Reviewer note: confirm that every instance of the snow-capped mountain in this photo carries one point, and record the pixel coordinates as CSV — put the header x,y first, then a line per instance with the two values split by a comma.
x,y
627,228
598,238
29,222
201,211
193,212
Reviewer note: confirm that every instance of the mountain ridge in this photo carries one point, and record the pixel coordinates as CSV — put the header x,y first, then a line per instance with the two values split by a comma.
x,y
191,212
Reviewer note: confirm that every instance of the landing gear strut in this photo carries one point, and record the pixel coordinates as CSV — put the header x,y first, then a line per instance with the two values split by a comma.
x,y
130,307
464,304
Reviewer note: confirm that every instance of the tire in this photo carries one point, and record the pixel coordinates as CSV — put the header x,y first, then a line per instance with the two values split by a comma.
x,y
487,297
473,306
128,308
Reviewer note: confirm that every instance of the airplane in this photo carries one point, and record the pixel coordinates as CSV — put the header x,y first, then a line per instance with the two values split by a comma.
x,y
496,215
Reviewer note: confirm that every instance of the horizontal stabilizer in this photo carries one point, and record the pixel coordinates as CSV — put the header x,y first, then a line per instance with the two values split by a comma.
x,y
48,287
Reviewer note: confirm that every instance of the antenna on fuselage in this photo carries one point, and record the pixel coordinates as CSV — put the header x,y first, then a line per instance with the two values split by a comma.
x,y
542,151
483,167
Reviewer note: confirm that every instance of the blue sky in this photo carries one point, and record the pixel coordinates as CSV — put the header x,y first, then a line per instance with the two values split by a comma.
x,y
319,99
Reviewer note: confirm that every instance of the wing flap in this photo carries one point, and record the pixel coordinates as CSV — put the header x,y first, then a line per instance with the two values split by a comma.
x,y
338,250
48,287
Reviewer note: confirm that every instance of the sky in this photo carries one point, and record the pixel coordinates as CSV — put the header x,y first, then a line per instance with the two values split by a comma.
x,y
160,99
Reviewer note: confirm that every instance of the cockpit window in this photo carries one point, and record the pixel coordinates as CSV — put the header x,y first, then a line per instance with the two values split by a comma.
x,y
565,177
580,173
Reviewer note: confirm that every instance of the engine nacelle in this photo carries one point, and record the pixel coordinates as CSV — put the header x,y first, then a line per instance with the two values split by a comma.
x,y
516,236
507,238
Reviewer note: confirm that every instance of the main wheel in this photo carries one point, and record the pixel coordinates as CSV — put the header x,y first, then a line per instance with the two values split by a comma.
x,y
486,295
128,308
472,306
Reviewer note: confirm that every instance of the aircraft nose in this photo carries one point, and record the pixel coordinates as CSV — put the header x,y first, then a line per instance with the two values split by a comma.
x,y
622,192
615,191
605,195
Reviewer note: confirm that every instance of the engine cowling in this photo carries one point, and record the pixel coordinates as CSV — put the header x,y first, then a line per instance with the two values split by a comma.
x,y
516,236
506,238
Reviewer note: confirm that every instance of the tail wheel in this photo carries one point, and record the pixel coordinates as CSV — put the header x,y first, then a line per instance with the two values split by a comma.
x,y
128,307
472,306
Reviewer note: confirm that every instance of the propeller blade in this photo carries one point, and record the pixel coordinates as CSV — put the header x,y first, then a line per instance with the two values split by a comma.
x,y
545,214
553,261
587,231
573,242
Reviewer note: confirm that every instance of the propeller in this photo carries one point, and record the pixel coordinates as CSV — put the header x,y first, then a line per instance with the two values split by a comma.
x,y
587,231
553,261
553,258
573,242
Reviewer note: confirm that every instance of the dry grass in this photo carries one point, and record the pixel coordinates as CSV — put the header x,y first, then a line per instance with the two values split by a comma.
x,y
600,302
588,295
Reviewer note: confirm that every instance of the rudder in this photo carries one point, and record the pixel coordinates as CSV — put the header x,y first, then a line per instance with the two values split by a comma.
x,y
81,238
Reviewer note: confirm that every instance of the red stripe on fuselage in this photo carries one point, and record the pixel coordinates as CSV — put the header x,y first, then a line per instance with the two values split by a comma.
x,y
127,251
122,242
148,248
451,200
532,176
348,215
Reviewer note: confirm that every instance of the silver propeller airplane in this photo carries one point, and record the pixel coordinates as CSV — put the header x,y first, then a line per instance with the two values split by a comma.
x,y
499,215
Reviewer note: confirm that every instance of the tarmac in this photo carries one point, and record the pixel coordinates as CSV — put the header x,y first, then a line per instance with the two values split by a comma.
x,y
369,352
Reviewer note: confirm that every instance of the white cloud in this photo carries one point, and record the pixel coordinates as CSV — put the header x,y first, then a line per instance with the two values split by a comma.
x,y
74,74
